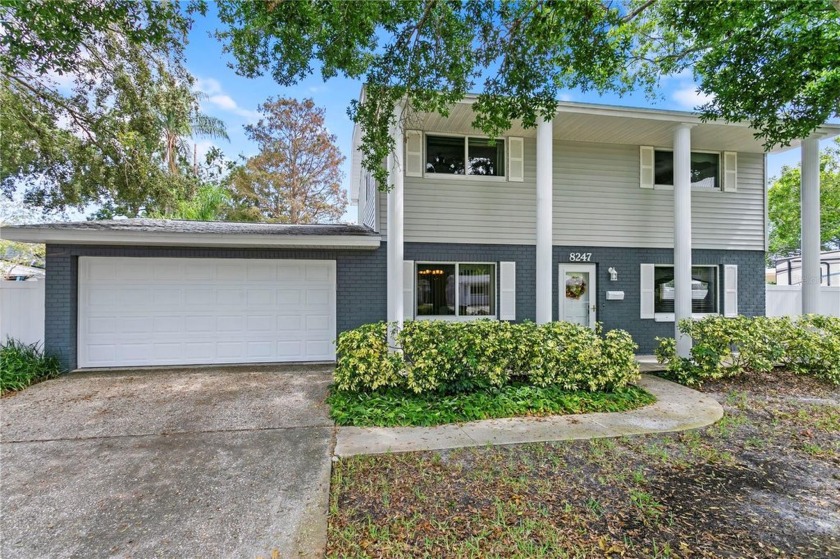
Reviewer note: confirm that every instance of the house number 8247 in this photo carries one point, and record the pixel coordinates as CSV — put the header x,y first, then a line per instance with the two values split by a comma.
x,y
580,256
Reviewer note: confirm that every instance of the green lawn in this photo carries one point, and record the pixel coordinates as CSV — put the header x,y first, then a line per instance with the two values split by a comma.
x,y
395,408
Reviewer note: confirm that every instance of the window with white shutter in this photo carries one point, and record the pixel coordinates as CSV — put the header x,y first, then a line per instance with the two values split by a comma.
x,y
413,153
507,290
408,289
730,290
730,171
646,288
516,159
646,171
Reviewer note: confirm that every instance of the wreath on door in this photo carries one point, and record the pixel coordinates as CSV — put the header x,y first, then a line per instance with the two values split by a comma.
x,y
575,287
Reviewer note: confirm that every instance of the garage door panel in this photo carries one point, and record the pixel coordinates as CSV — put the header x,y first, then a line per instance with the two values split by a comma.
x,y
195,311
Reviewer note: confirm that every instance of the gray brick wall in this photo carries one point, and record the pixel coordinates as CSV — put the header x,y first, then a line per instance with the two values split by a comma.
x,y
362,276
360,284
626,261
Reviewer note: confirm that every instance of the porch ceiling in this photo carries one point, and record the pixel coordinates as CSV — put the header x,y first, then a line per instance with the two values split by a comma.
x,y
584,122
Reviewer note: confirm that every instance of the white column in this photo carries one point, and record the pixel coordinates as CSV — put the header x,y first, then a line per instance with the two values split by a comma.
x,y
395,253
682,234
544,225
810,203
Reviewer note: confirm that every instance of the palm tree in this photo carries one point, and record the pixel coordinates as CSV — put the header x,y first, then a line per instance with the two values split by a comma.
x,y
181,118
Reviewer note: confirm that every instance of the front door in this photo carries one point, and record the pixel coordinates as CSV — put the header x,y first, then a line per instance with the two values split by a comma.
x,y
578,294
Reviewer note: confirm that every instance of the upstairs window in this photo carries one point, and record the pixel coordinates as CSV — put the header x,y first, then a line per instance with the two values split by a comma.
x,y
460,155
705,169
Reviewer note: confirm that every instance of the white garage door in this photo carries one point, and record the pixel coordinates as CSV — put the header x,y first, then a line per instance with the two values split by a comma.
x,y
182,311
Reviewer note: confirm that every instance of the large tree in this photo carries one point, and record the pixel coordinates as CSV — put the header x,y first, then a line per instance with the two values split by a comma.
x,y
783,206
95,99
774,64
296,176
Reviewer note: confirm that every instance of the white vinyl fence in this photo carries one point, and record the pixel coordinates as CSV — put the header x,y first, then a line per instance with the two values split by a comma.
x,y
22,311
786,300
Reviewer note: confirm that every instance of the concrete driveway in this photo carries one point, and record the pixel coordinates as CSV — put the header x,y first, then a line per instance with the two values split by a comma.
x,y
224,462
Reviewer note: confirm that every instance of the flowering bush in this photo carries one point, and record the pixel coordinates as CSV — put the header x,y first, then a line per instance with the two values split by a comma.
x,y
725,347
456,357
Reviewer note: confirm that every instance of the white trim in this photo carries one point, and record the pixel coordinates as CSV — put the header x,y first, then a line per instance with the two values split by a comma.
x,y
146,238
730,290
729,171
647,288
647,166
409,301
663,317
518,160
414,139
507,290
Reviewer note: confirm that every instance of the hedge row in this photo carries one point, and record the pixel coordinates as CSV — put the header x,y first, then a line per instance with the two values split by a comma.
x,y
726,347
455,357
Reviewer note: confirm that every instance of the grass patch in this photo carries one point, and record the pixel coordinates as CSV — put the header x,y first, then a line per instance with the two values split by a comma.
x,y
24,364
398,408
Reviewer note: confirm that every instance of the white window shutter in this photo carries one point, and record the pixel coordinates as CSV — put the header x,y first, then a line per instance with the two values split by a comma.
x,y
408,289
730,171
646,290
507,290
413,153
646,162
516,159
730,290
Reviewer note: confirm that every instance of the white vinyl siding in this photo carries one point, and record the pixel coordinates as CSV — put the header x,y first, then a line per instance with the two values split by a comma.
x,y
465,209
598,202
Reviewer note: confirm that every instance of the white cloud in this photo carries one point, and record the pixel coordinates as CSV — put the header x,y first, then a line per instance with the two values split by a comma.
x,y
689,97
565,97
217,98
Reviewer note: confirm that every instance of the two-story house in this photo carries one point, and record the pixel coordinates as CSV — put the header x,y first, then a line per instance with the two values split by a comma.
x,y
630,217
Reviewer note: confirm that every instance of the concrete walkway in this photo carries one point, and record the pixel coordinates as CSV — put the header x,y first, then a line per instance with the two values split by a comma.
x,y
677,408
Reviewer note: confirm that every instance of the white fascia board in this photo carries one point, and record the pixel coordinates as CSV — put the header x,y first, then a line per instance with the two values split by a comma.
x,y
58,236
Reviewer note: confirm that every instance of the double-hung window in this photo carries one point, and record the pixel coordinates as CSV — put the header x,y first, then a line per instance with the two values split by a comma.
x,y
705,169
461,155
704,290
455,290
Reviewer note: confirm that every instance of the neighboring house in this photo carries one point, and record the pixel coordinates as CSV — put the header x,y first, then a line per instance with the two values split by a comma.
x,y
12,271
788,271
572,220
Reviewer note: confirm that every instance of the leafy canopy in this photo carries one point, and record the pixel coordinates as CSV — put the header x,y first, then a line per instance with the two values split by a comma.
x,y
783,206
774,64
296,176
95,98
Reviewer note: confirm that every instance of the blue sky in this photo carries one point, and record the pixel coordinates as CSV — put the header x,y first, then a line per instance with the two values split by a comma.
x,y
235,99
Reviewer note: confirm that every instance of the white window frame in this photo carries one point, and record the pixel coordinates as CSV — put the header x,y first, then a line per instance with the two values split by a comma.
x,y
447,176
456,317
669,317
693,188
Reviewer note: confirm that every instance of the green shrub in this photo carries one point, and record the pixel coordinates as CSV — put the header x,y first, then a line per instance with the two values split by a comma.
x,y
24,364
726,347
456,357
399,408
364,362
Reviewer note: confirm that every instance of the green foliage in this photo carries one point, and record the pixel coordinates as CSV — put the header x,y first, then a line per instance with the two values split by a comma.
x,y
774,64
726,347
24,364
458,357
364,362
399,408
96,100
783,206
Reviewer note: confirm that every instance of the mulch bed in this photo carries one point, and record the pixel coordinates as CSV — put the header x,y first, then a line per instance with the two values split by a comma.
x,y
762,482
